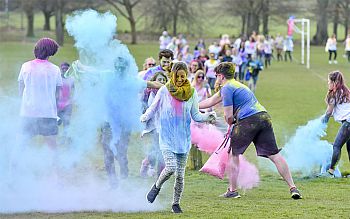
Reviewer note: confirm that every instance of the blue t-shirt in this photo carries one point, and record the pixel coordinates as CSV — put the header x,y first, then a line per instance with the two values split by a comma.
x,y
239,96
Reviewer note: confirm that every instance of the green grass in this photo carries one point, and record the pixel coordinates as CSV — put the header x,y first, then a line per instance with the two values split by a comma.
x,y
292,95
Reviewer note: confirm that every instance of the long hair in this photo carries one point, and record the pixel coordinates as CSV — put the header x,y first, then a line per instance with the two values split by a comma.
x,y
177,66
340,91
45,47
195,82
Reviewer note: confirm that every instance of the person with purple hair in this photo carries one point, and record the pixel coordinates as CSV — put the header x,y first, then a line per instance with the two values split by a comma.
x,y
39,86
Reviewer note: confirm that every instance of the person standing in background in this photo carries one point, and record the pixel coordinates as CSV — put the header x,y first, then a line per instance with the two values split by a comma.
x,y
40,82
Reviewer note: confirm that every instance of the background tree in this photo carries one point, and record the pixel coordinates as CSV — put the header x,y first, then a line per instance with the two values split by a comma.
x,y
28,7
128,13
345,14
48,9
321,12
166,15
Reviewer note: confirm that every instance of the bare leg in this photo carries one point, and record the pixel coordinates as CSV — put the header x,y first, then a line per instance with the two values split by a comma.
x,y
233,173
282,168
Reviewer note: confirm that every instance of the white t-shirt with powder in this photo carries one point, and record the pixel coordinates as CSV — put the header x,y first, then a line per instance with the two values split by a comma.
x,y
40,79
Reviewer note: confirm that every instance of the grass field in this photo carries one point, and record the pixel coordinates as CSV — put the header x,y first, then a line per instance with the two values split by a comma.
x,y
292,95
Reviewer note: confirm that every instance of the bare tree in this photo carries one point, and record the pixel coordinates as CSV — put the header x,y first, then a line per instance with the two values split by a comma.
x,y
345,13
336,16
128,13
59,21
168,14
48,9
322,22
265,15
28,7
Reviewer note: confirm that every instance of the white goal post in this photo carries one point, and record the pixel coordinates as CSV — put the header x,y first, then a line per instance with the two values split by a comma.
x,y
304,21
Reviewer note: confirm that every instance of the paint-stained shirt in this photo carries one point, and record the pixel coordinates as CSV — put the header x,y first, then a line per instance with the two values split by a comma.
x,y
174,119
239,96
40,79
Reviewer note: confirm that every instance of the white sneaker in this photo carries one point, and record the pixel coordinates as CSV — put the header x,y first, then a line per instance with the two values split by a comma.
x,y
329,62
335,62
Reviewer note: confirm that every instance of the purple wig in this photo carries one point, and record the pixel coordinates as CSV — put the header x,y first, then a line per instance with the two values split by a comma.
x,y
45,47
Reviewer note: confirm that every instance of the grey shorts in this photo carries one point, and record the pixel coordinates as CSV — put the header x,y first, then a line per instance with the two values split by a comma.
x,y
39,126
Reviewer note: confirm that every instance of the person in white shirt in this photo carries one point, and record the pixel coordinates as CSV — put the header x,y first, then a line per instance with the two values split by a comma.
x,y
338,106
164,40
331,47
347,47
39,85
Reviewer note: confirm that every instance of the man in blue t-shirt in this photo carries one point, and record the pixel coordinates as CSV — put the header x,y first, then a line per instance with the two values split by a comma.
x,y
251,124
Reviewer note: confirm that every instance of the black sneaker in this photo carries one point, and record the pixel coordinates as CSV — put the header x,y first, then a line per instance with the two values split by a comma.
x,y
176,209
230,194
295,193
152,194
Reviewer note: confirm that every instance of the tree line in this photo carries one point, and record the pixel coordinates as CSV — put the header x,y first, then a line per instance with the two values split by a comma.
x,y
159,15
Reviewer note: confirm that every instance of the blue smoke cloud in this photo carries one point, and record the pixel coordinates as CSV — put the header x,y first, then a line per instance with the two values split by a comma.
x,y
305,152
36,178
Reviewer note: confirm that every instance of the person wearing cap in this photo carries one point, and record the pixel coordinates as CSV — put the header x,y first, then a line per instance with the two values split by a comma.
x,y
39,86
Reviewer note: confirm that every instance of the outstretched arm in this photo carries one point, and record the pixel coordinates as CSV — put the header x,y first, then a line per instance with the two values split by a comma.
x,y
211,101
154,84
152,109
195,114
328,113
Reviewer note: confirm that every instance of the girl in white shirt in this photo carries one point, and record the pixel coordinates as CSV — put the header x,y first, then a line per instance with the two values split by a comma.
x,y
338,106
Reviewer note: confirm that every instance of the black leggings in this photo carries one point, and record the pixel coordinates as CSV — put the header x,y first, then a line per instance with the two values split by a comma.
x,y
342,137
330,54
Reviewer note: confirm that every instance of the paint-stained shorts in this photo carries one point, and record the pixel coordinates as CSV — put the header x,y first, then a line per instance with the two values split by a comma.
x,y
257,129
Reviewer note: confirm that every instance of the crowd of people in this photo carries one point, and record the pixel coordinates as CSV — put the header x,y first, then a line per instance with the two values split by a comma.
x,y
249,54
182,88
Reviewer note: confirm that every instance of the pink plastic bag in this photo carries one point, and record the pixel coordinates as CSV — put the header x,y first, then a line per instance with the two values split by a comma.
x,y
216,164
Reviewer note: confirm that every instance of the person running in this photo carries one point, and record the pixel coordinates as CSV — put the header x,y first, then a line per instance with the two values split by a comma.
x,y
175,103
209,66
252,124
154,157
279,47
40,82
338,106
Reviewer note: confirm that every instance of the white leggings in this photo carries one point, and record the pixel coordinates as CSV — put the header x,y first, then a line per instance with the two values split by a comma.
x,y
174,163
